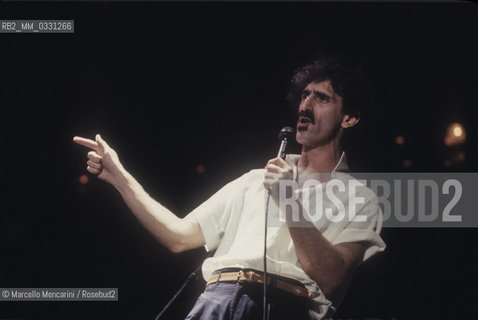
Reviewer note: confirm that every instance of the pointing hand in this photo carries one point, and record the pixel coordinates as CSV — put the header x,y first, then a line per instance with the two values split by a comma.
x,y
102,160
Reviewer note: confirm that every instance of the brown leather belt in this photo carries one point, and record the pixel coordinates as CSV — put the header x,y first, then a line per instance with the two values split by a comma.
x,y
250,276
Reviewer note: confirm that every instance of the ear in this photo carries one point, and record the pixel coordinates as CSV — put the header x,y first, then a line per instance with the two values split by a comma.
x,y
350,120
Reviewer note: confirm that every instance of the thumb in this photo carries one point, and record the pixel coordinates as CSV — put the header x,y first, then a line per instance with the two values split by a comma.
x,y
101,143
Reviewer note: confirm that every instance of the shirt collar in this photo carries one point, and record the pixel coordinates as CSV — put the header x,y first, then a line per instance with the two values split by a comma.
x,y
342,164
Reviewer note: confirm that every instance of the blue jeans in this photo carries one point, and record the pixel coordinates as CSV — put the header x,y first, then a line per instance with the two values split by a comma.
x,y
241,301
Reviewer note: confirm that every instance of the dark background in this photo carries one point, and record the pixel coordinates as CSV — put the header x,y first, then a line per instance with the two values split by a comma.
x,y
175,85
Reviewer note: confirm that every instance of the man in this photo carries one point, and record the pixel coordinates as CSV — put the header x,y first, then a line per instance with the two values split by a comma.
x,y
309,263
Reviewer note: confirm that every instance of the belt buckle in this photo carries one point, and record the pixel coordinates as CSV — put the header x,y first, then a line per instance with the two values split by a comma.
x,y
241,277
255,277
247,276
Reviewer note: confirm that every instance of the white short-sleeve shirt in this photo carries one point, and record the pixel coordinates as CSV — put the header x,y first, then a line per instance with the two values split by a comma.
x,y
232,222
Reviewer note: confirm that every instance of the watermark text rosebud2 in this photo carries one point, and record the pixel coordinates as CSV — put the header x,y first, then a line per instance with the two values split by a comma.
x,y
396,199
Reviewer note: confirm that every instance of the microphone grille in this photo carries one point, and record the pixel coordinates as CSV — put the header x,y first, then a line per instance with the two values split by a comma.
x,y
286,133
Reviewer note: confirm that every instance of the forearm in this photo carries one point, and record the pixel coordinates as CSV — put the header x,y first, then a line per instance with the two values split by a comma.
x,y
175,233
327,264
319,258
162,223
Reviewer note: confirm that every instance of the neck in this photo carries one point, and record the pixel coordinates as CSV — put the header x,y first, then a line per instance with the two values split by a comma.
x,y
322,158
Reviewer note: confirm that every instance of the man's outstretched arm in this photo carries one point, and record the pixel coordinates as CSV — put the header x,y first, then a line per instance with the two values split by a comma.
x,y
177,234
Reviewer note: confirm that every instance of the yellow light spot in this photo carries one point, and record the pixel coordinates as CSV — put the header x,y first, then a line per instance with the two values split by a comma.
x,y
455,135
457,131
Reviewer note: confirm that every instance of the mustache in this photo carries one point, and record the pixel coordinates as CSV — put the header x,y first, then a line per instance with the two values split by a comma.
x,y
307,114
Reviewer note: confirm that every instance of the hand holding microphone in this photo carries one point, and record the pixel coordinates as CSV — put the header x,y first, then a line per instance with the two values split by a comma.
x,y
278,169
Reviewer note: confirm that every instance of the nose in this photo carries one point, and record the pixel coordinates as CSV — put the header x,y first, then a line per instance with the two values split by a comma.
x,y
306,104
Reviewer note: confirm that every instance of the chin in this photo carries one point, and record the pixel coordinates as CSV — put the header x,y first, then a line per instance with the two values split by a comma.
x,y
299,137
302,138
308,139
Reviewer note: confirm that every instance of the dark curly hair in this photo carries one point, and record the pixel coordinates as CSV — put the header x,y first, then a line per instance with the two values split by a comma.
x,y
347,81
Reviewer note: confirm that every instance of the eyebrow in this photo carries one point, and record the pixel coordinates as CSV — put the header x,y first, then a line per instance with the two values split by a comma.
x,y
322,95
317,93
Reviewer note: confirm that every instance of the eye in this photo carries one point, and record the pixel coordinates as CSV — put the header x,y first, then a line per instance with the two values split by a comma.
x,y
322,97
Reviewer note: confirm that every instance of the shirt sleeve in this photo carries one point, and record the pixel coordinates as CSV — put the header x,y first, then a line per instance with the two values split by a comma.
x,y
365,227
214,214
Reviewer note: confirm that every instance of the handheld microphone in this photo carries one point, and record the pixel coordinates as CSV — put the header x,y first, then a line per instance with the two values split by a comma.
x,y
285,134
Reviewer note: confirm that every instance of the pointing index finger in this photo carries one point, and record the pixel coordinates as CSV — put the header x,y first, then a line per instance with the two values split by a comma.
x,y
86,143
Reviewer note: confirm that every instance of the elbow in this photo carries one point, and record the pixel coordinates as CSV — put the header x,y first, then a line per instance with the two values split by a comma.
x,y
172,245
176,240
179,243
180,237
176,248
328,280
329,287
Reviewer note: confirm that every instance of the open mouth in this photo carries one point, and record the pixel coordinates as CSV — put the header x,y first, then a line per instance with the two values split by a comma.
x,y
304,120
305,117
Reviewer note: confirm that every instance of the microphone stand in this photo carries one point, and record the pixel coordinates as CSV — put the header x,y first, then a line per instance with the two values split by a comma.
x,y
283,136
265,311
193,275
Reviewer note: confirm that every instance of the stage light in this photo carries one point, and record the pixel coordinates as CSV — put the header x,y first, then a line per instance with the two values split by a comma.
x,y
399,140
200,169
83,179
457,131
455,134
